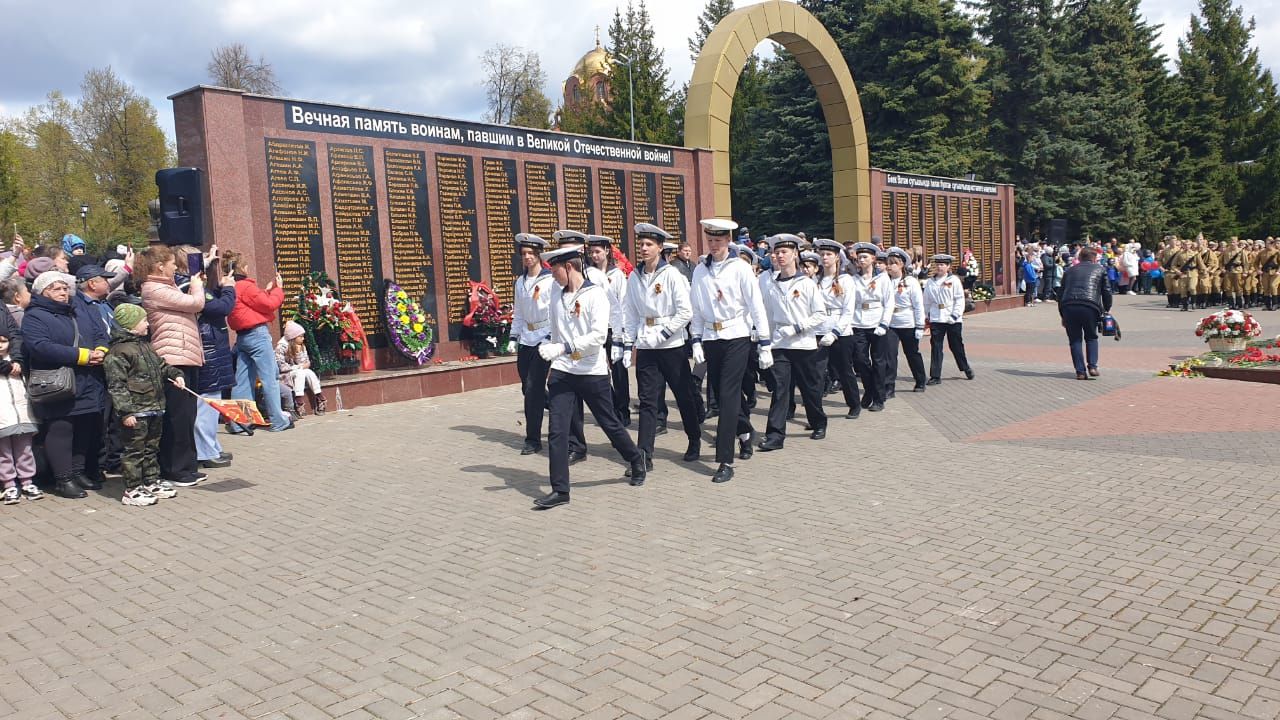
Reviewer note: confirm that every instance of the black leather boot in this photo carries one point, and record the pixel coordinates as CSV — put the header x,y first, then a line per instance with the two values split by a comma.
x,y
65,485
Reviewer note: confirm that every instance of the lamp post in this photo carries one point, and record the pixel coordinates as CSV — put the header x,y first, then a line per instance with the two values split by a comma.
x,y
84,218
631,91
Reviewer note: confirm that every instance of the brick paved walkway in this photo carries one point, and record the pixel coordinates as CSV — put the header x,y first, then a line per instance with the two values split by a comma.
x,y
1020,546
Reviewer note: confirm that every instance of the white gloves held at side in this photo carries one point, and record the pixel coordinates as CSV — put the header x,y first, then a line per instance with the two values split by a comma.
x,y
766,358
827,340
919,333
699,357
551,351
880,331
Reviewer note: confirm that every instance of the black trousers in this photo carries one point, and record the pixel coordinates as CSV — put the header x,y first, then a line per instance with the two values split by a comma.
x,y
621,385
566,393
71,443
950,332
800,367
655,370
533,384
906,337
868,354
841,361
178,431
726,365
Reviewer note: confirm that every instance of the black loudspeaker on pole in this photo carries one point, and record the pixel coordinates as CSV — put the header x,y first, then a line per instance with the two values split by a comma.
x,y
181,206
1058,232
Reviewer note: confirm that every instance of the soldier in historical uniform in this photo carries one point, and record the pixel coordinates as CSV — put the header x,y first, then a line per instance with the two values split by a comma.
x,y
530,327
1209,269
1172,277
795,310
1233,268
1189,265
657,310
726,308
579,372
1268,261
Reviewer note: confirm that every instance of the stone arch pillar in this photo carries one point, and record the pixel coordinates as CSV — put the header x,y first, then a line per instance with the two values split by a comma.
x,y
715,79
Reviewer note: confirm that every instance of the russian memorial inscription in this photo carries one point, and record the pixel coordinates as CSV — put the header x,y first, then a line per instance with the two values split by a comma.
x,y
541,200
673,206
613,208
293,194
501,210
408,212
355,235
579,200
459,237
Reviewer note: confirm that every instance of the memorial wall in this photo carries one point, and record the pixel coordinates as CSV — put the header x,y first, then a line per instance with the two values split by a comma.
x,y
433,204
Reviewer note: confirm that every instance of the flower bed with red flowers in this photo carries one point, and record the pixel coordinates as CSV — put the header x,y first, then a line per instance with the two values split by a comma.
x,y
1257,356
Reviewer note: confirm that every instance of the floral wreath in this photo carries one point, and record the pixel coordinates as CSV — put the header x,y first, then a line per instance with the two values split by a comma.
x,y
409,326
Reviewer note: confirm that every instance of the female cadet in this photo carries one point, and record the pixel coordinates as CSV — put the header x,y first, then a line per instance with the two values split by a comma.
x,y
944,300
907,324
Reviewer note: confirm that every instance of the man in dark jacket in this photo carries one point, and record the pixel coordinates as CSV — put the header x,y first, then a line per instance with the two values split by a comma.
x,y
1086,295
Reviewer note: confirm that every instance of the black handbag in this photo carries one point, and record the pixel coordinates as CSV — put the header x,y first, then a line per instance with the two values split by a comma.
x,y
56,385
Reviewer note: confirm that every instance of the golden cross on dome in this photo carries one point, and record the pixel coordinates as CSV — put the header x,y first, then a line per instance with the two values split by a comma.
x,y
597,36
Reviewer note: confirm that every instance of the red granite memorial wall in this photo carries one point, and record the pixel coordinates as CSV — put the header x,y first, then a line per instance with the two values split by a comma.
x,y
368,196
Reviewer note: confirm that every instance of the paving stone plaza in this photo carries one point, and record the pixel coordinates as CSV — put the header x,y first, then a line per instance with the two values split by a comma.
x,y
1022,545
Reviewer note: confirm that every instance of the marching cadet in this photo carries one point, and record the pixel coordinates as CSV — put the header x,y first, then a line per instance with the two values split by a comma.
x,y
1209,267
795,309
1268,260
600,257
669,250
579,370
1172,277
657,310
907,325
871,307
810,263
531,326
1233,268
577,434
944,300
726,306
836,287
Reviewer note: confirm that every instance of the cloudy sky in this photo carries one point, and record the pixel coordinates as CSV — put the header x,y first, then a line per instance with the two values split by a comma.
x,y
418,56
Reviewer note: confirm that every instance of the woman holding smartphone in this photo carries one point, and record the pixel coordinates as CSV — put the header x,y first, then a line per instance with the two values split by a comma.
x,y
256,308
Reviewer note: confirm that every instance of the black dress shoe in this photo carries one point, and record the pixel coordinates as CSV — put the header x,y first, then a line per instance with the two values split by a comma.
x,y
724,474
934,381
890,395
215,463
745,451
876,407
968,374
694,452
770,444
67,487
918,388
531,448
551,499
577,456
660,429
87,482
853,414
818,434
640,468
866,401
648,465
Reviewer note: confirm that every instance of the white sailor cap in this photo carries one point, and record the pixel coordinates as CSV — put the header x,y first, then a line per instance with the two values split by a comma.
x,y
900,254
559,255
828,244
568,237
882,255
718,226
599,241
669,246
530,240
741,249
943,258
810,256
650,230
782,240
862,247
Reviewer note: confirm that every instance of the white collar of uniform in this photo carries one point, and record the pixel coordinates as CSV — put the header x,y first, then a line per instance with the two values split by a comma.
x,y
656,270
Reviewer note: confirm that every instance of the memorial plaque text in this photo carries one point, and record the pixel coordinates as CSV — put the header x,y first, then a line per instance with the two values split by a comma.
x,y
459,239
293,194
501,209
412,259
355,235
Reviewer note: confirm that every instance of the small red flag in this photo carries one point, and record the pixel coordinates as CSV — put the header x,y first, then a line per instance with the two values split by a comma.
x,y
240,412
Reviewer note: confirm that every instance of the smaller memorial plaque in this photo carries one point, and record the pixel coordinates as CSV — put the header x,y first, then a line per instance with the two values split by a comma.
x,y
459,239
501,209
613,208
355,235
412,258
579,200
293,194
673,205
542,202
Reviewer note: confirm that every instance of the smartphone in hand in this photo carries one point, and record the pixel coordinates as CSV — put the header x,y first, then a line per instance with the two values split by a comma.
x,y
195,264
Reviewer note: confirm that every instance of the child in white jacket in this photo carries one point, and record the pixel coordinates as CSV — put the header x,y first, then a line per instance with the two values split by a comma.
x,y
17,463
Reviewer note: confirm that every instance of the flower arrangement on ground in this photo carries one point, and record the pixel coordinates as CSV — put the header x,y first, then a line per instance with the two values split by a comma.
x,y
489,321
984,292
1257,355
1228,329
1189,368
408,325
333,339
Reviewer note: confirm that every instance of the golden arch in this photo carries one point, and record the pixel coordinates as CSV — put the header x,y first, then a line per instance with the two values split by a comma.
x,y
715,79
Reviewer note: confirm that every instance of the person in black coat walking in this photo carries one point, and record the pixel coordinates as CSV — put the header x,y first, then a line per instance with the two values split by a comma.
x,y
218,372
1086,295
73,427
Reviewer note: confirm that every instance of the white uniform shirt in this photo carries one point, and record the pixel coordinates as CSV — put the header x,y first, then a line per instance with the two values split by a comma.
x,y
872,301
605,280
944,299
531,319
838,304
726,301
580,320
657,308
796,303
908,304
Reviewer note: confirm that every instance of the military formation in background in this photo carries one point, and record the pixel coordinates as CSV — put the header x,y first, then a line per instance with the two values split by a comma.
x,y
810,317
1202,274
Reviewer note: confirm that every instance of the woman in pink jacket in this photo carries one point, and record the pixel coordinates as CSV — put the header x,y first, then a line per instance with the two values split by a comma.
x,y
176,339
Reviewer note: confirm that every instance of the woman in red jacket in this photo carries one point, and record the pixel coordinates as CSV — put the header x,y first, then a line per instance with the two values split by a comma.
x,y
255,353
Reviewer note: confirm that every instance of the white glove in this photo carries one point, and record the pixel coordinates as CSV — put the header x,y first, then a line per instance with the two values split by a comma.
x,y
698,356
615,353
551,351
919,333
512,346
880,331
626,357
828,340
784,332
766,358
